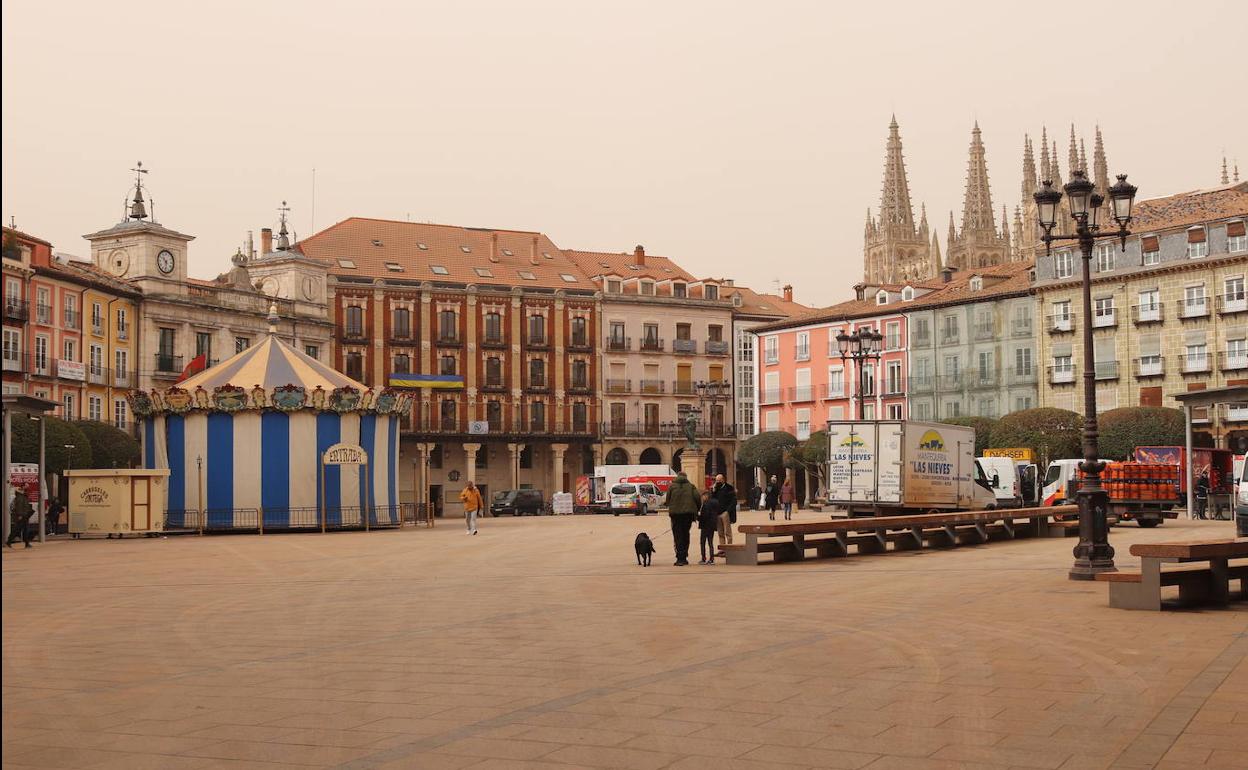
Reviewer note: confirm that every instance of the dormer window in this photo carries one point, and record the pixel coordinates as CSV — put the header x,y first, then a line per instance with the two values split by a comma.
x,y
1236,237
614,286
527,275
484,272
907,294
647,288
679,290
422,246
881,298
977,283
394,267
568,277
508,253
439,270
1197,246
346,264
710,291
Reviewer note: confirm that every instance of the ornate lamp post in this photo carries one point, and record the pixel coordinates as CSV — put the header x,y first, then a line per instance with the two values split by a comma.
x,y
862,345
1093,554
712,392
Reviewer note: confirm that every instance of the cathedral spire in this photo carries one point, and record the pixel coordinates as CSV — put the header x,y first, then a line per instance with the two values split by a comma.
x,y
1225,179
1072,155
1029,169
1016,251
977,213
934,252
1100,168
895,208
1083,155
1056,171
1046,168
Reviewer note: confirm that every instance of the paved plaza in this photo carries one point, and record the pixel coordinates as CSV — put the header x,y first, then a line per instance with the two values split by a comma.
x,y
539,643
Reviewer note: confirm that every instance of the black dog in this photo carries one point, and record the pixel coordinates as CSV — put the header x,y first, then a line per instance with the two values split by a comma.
x,y
644,547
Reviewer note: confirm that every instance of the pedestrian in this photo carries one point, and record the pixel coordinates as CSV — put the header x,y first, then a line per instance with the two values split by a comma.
x,y
473,503
55,509
786,497
1202,496
772,496
20,513
708,522
683,504
755,495
726,495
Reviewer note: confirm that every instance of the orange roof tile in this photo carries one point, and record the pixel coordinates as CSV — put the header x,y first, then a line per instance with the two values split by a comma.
x,y
757,303
596,263
416,249
1190,208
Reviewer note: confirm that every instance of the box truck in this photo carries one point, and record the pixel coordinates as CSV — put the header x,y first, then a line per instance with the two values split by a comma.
x,y
894,467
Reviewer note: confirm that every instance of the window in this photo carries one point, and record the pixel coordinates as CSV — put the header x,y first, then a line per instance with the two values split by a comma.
x,y
771,420
580,331
448,326
97,318
617,339
953,366
312,351
1233,297
121,360
402,323
41,354
355,321
446,414
43,306
803,346
466,249
1236,353
1022,362
493,327
354,365
71,311
977,283
1104,257
613,286
1194,301
1197,358
447,365
892,335
715,332
684,331
868,411
679,290
868,379
69,412
1063,264
647,288
494,414
803,424
580,374
650,336
526,275
494,371
1150,250
203,344
922,334
894,411
537,330
836,382
95,408
346,264
771,350
1236,237
1063,364
435,457
537,416
1062,318
537,373
1021,403
119,413
922,411
568,277
1103,314
1197,246
950,329
439,270
241,344
907,294
710,292
881,297
394,267
1149,305
123,324
892,381
986,365
802,390
771,388
69,350
484,272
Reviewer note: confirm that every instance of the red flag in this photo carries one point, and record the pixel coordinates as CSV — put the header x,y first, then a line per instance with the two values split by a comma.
x,y
197,365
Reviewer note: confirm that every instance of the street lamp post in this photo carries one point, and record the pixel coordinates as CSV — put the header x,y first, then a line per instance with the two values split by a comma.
x,y
861,346
1093,554
712,392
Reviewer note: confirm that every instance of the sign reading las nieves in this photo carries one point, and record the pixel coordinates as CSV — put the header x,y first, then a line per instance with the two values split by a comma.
x,y
345,454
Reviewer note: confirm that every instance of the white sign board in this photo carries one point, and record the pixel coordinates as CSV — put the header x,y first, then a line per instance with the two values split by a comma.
x,y
71,370
345,454
478,427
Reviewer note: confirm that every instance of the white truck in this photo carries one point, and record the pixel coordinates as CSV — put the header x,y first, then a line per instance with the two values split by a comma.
x,y
894,467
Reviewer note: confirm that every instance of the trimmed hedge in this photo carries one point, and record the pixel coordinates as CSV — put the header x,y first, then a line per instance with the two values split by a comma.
x,y
1052,433
1122,430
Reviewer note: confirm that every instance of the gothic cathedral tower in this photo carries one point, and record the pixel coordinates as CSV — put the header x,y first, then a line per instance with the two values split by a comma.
x,y
895,250
979,243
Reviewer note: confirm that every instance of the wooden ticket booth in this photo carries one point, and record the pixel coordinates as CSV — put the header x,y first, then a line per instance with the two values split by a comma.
x,y
117,501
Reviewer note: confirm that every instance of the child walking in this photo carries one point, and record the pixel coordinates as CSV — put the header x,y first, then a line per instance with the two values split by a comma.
x,y
708,523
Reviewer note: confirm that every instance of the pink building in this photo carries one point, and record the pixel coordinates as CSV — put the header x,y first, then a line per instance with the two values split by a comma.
x,y
802,379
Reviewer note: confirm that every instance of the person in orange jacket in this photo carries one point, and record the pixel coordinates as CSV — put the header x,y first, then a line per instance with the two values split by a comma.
x,y
473,505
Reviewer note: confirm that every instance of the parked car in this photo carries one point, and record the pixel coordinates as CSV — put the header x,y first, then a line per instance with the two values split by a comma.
x,y
518,502
637,499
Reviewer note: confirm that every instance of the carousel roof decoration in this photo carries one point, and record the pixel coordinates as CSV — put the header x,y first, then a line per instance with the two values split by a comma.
x,y
269,375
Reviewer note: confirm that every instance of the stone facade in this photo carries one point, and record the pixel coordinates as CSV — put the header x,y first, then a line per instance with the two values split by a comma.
x,y
895,249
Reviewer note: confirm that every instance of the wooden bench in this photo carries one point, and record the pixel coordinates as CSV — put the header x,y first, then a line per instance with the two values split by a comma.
x,y
875,534
1142,590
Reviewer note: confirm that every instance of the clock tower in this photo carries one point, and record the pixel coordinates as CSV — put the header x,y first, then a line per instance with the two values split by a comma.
x,y
140,250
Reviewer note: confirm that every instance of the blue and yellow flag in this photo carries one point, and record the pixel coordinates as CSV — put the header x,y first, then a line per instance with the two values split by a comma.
x,y
441,381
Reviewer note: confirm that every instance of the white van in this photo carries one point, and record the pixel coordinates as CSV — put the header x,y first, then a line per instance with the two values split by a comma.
x,y
1001,474
1057,481
637,499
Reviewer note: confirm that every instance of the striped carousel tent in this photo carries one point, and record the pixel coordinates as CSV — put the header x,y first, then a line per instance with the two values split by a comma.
x,y
244,440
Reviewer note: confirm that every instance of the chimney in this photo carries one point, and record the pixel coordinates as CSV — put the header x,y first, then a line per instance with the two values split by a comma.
x,y
251,245
639,256
493,247
266,240
946,274
788,292
533,251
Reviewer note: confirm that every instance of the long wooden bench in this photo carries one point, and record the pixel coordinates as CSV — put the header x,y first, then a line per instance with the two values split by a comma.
x,y
875,534
1142,590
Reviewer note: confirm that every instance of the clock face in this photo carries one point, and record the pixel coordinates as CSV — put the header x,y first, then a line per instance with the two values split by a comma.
x,y
309,288
164,261
119,262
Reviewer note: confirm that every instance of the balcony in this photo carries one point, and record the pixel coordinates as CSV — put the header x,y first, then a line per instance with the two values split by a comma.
x,y
653,386
1232,360
923,383
771,357
652,345
121,379
1232,302
803,393
685,347
578,342
353,334
14,361
617,386
73,319
1026,376
1149,366
97,328
948,337
666,430
769,396
1062,375
123,332
1233,412
537,341
450,340
832,391
894,388
494,385
1021,327
43,314
683,388
920,339
40,366
1193,307
168,364
1104,319
1106,370
985,332
982,378
579,386
892,342
618,344
494,342
1147,314
802,353
1060,324
949,382
1195,364
717,347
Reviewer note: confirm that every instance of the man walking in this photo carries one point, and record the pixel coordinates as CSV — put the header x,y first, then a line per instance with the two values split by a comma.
x,y
473,504
726,495
683,504
20,512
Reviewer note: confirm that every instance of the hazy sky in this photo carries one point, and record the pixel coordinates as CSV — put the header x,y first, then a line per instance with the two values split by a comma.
x,y
743,140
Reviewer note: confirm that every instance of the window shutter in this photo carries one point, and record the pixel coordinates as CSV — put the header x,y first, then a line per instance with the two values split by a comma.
x,y
1234,229
1062,350
1196,235
1150,344
1150,396
1103,350
1194,338
1149,243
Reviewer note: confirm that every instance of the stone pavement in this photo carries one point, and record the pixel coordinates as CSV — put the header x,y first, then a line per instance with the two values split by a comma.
x,y
540,644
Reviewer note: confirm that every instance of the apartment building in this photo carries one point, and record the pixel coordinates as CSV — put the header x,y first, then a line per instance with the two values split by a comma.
x,y
1170,313
666,347
497,330
750,310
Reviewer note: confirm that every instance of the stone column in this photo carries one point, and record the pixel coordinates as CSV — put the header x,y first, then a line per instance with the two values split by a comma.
x,y
426,332
381,365
693,463
515,450
470,461
557,451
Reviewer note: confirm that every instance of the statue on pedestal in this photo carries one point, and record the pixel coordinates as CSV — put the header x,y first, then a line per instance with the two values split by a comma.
x,y
691,429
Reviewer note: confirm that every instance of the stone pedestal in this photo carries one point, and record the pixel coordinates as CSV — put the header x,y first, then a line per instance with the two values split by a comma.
x,y
693,463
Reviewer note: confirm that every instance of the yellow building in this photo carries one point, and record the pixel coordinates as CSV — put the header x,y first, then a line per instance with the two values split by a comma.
x,y
110,345
1170,314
